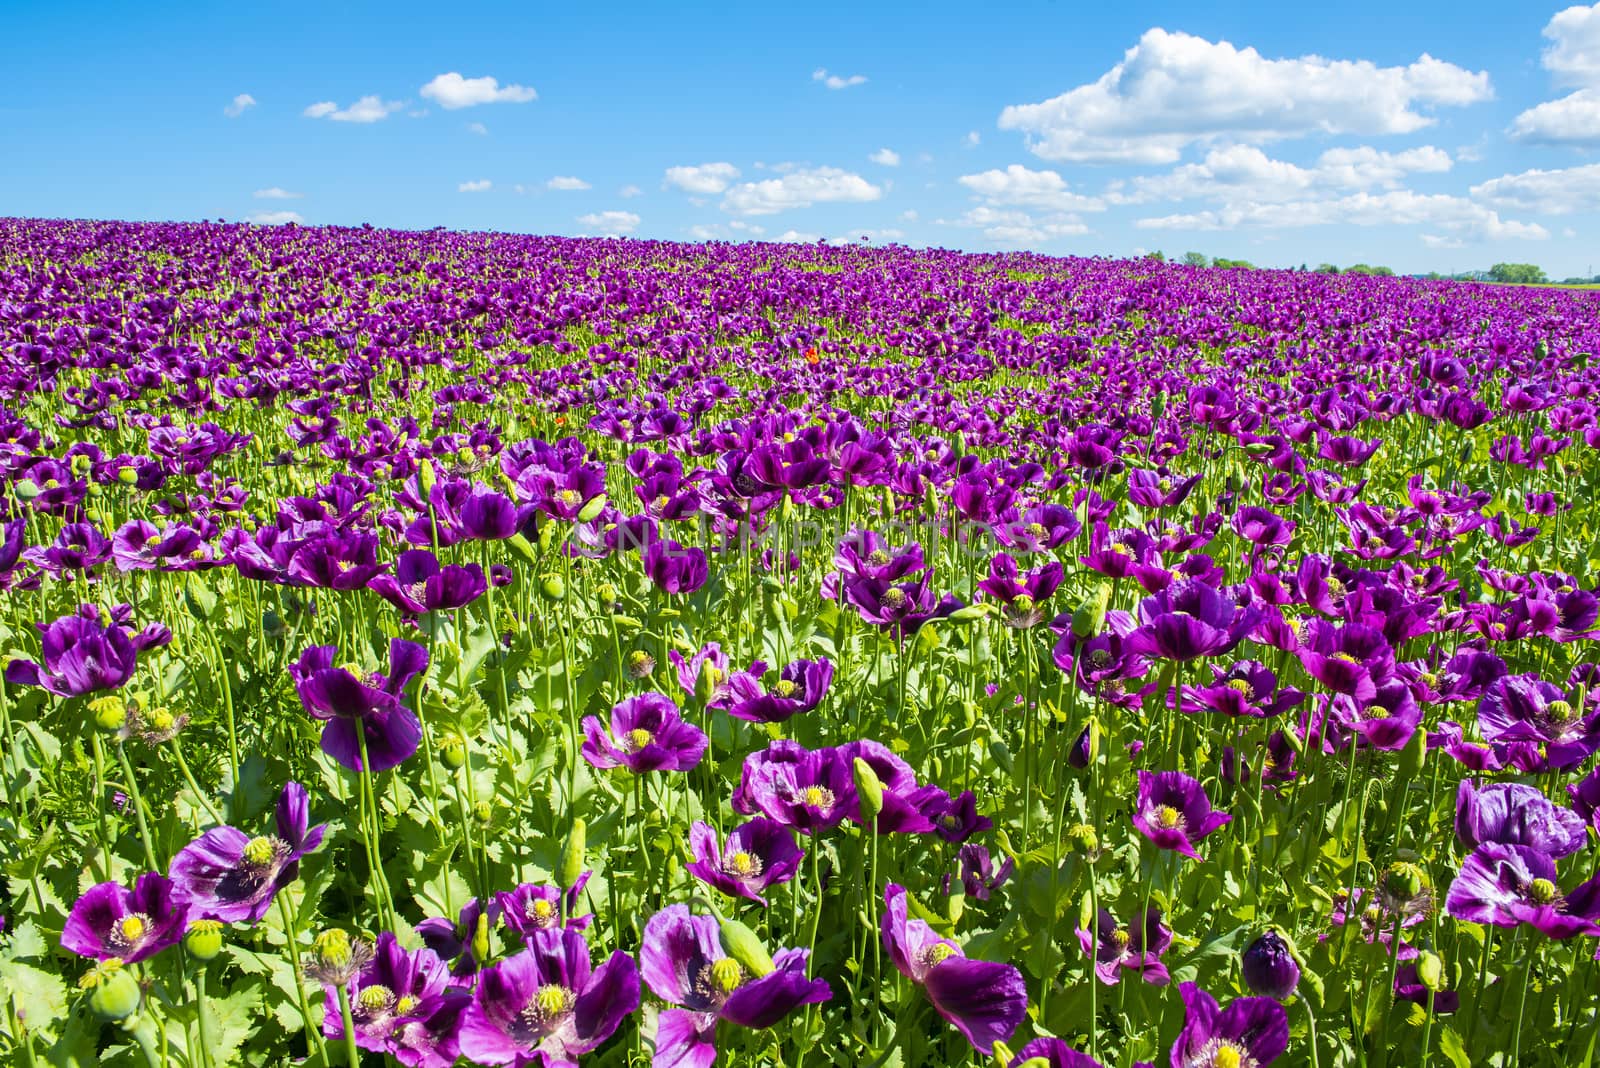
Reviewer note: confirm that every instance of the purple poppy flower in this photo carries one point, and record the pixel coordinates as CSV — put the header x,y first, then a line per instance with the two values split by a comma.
x,y
1148,489
673,568
799,688
865,554
1351,660
1137,949
1250,1031
419,584
1020,595
1262,528
1585,794
683,962
80,655
1187,620
758,853
452,940
1534,725
1173,811
347,704
955,819
548,1005
908,808
402,1004
900,608
979,876
1508,885
79,547
232,877
1245,688
647,734
1055,1053
705,672
1513,814
809,791
1385,721
109,921
984,1000
533,907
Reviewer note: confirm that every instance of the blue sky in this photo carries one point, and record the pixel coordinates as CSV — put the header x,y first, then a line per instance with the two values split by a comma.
x,y
1425,137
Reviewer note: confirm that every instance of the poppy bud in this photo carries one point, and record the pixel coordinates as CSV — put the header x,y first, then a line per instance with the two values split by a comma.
x,y
114,993
1090,616
453,752
742,944
521,546
970,614
570,870
1258,449
708,682
1414,754
553,588
483,813
1086,748
1269,967
426,477
592,509
869,788
480,938
203,940
1430,969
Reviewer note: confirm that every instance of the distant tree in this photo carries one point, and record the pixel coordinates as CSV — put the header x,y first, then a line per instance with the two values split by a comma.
x,y
1220,262
1516,272
1327,268
1196,259
1158,256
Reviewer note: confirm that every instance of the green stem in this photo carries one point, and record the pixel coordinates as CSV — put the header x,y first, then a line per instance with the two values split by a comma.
x,y
291,943
138,807
352,1054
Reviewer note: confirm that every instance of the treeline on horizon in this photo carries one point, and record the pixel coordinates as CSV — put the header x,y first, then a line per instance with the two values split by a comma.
x,y
1516,273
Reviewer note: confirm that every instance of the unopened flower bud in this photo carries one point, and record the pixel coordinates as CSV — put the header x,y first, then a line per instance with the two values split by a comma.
x,y
744,946
480,939
570,869
483,813
553,588
1430,969
1269,967
869,789
453,752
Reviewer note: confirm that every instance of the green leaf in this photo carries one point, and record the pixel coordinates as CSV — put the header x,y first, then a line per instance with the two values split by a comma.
x,y
39,997
232,1020
1453,1047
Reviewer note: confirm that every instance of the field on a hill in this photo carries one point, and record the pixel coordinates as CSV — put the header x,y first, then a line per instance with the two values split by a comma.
x,y
437,648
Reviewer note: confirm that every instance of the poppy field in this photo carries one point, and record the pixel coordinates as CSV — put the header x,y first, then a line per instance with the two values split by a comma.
x,y
446,648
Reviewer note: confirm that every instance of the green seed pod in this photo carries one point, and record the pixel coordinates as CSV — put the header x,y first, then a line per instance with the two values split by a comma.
x,y
570,870
127,476
970,614
110,713
957,902
553,588
483,814
453,752
203,940
707,682
743,945
521,546
114,993
869,788
1090,616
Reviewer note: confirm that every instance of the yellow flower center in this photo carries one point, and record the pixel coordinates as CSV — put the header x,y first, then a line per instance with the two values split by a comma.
x,y
405,1005
1168,817
938,953
638,738
726,975
568,497
1227,1057
1121,938
551,1002
784,688
744,865
1542,891
879,558
260,851
131,928
541,911
818,797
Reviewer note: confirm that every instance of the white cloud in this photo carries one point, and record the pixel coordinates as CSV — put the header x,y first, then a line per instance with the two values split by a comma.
x,y
909,215
834,81
241,103
972,139
1173,89
567,183
856,237
1574,53
1557,192
629,191
719,231
703,178
367,109
452,91
1236,172
276,193
610,222
1021,186
1573,119
1009,226
799,189
797,237
481,185
273,218
1460,217
886,157
478,128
